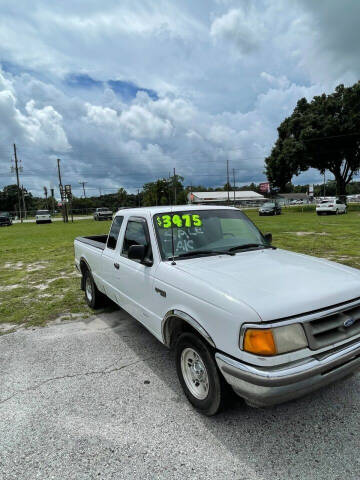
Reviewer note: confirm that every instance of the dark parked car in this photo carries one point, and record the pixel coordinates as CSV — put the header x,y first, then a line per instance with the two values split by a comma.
x,y
270,208
5,219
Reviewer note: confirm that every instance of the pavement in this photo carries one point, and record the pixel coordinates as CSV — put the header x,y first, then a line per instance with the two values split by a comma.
x,y
98,398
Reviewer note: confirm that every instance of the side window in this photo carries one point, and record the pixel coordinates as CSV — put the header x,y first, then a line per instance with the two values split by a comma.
x,y
114,232
136,234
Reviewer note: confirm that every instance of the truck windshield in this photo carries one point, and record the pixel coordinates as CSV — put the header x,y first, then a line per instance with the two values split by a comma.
x,y
205,231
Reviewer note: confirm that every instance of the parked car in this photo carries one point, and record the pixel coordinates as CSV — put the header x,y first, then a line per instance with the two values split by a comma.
x,y
296,202
272,324
5,219
270,208
334,207
43,216
103,214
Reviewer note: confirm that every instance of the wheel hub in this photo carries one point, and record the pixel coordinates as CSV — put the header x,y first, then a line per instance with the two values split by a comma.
x,y
194,373
88,289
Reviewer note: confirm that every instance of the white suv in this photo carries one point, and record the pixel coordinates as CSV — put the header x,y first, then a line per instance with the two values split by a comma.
x,y
326,207
43,216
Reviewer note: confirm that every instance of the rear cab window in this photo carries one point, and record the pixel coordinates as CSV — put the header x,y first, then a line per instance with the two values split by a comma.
x,y
114,232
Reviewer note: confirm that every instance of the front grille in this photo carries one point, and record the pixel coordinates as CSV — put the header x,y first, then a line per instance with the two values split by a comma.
x,y
331,329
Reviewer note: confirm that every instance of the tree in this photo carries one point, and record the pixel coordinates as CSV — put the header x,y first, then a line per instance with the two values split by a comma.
x,y
162,191
323,134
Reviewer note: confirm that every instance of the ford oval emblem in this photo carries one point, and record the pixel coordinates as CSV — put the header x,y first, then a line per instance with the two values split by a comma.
x,y
350,321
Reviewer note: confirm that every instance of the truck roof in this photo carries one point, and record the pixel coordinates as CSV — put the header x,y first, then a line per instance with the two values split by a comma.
x,y
168,208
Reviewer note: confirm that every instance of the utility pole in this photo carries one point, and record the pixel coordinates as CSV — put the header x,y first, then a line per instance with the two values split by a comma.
x,y
23,201
18,183
234,183
324,183
138,194
227,181
52,200
174,179
62,193
83,185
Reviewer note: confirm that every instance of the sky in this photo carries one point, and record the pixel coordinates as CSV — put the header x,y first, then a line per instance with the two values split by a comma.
x,y
124,92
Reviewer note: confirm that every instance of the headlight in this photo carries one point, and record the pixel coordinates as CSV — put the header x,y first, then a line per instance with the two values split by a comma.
x,y
274,341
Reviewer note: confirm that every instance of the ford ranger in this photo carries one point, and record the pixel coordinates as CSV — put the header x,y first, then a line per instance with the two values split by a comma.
x,y
272,324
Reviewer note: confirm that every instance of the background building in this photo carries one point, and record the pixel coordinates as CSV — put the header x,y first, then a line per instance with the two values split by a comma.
x,y
240,198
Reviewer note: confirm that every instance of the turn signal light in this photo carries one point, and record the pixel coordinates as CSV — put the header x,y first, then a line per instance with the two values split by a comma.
x,y
260,341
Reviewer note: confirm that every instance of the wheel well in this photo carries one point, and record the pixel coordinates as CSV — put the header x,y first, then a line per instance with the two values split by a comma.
x,y
84,267
175,326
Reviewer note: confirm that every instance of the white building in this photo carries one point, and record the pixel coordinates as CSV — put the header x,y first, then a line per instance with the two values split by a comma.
x,y
223,198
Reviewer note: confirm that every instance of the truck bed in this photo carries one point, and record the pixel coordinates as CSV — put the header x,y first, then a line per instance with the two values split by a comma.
x,y
97,241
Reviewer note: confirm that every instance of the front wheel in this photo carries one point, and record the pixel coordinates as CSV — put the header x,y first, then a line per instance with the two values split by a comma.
x,y
198,374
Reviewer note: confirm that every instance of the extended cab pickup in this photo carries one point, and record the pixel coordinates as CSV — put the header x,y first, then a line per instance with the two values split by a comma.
x,y
103,214
272,324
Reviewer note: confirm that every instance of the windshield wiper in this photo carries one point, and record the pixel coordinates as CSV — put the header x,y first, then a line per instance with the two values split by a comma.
x,y
248,245
204,252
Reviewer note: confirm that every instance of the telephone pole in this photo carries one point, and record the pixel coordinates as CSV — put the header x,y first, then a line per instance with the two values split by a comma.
x,y
174,177
234,183
18,183
83,185
23,201
52,199
227,181
62,193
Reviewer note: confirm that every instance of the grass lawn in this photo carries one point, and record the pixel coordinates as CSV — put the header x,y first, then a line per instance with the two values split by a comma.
x,y
38,280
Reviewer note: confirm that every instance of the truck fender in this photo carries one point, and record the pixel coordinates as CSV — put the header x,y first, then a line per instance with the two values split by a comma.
x,y
179,314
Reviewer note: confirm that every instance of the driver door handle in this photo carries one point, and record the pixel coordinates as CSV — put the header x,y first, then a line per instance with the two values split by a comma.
x,y
117,266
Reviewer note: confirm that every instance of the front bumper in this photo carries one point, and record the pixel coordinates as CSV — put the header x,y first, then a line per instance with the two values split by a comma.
x,y
269,386
326,210
266,212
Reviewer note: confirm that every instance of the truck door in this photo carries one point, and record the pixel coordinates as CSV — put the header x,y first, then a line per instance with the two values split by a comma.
x,y
137,282
109,260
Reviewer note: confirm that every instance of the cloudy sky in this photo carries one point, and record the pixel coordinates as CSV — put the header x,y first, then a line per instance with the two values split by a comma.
x,y
124,91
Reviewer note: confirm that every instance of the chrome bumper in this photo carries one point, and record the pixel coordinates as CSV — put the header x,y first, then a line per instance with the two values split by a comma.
x,y
268,386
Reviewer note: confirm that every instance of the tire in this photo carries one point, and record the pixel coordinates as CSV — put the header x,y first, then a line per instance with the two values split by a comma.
x,y
93,297
205,388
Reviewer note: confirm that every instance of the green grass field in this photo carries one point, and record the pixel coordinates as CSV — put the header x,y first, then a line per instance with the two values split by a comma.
x,y
38,280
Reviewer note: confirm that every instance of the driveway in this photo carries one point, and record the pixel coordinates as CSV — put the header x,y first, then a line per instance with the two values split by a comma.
x,y
99,399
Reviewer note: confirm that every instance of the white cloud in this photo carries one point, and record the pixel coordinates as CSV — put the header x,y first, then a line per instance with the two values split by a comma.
x,y
225,73
242,29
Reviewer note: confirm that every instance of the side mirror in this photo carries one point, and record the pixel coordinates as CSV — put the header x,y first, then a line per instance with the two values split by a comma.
x,y
136,252
268,238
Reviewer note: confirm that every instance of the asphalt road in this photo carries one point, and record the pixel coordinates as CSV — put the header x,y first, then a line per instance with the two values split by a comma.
x,y
99,399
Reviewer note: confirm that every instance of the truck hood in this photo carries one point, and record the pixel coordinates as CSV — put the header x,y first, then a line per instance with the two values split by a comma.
x,y
276,283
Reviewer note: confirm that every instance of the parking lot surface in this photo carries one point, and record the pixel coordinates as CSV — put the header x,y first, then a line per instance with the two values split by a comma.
x,y
99,399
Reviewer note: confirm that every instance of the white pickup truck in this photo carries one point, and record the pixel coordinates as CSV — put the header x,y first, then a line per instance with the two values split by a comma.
x,y
272,324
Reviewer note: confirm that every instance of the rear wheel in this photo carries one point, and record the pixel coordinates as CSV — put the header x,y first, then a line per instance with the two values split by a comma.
x,y
198,374
93,297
